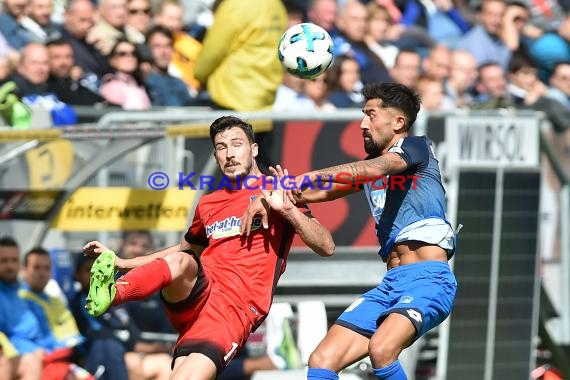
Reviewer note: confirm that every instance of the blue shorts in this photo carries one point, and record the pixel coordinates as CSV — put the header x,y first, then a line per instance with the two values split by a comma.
x,y
423,292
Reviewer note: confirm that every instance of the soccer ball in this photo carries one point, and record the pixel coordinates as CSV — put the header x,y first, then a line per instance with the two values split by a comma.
x,y
306,50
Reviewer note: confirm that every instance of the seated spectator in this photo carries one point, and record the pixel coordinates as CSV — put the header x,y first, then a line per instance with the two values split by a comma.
x,y
407,68
32,85
484,39
512,31
138,19
491,87
123,86
345,83
433,97
79,19
462,77
527,91
67,80
379,21
291,95
61,337
560,83
186,48
350,40
317,89
17,321
323,13
16,35
437,63
38,20
164,89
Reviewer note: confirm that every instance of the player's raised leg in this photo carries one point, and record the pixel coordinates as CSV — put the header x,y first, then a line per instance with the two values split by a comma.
x,y
175,273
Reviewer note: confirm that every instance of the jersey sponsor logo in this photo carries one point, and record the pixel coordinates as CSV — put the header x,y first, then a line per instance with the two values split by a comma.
x,y
229,227
406,299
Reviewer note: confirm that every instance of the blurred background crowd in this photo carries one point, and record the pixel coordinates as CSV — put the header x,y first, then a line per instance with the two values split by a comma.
x,y
138,54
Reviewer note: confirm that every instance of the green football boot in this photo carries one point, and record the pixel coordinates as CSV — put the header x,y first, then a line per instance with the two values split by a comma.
x,y
102,284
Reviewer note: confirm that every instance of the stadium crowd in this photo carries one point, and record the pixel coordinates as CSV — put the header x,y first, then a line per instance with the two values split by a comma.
x,y
137,54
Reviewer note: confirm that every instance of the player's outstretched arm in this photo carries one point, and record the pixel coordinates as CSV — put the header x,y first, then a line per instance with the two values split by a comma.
x,y
313,234
353,172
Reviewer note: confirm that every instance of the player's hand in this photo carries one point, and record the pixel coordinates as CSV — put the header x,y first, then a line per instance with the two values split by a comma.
x,y
278,198
94,248
284,181
257,207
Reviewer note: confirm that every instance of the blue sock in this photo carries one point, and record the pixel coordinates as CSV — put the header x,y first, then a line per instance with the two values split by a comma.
x,y
393,372
321,373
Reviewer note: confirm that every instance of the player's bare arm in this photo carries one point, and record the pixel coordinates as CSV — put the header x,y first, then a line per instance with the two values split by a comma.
x,y
386,164
313,234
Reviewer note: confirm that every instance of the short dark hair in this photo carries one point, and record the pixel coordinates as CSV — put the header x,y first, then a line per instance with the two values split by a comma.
x,y
58,42
8,241
395,95
520,61
40,251
159,29
226,122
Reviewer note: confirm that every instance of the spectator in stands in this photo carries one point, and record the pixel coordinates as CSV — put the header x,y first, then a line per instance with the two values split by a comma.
x,y
32,85
291,95
545,15
407,68
60,335
238,54
78,21
323,13
17,321
437,63
513,28
432,94
110,26
67,80
16,35
560,83
317,89
462,77
38,20
123,86
484,39
163,88
491,87
552,47
345,83
350,40
379,21
105,335
138,19
186,47
527,91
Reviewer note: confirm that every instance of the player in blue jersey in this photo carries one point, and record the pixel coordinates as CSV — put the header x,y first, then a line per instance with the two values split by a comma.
x,y
415,236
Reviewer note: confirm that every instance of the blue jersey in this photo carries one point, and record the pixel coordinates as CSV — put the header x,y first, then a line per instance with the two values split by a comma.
x,y
411,205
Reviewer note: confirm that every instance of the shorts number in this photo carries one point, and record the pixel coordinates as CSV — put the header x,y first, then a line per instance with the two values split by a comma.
x,y
414,315
355,304
234,346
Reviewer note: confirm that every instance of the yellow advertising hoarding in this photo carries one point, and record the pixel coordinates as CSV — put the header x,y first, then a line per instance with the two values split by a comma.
x,y
122,209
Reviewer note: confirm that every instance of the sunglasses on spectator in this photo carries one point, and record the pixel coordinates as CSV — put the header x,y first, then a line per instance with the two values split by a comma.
x,y
124,54
134,11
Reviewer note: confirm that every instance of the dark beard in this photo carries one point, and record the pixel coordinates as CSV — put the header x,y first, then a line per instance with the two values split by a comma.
x,y
372,148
